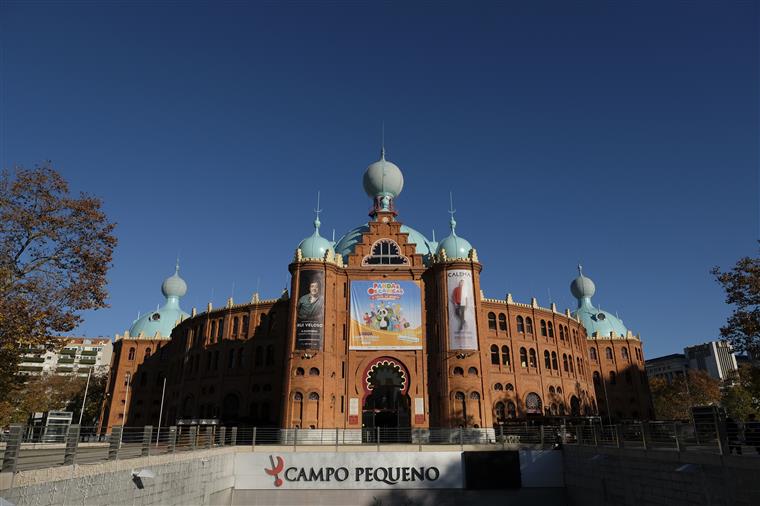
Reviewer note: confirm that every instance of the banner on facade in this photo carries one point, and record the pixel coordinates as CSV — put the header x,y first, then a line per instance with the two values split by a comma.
x,y
463,330
310,310
386,315
350,470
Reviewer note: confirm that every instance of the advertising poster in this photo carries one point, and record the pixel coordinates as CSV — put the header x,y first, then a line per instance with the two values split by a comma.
x,y
310,310
386,315
463,332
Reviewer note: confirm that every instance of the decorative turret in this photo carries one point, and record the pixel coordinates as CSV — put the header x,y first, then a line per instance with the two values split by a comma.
x,y
454,247
383,182
161,321
315,246
598,323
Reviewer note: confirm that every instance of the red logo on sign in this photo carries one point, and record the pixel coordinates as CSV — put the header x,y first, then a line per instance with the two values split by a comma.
x,y
276,469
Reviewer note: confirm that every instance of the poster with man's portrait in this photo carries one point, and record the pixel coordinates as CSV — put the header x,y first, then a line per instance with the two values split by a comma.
x,y
463,331
310,310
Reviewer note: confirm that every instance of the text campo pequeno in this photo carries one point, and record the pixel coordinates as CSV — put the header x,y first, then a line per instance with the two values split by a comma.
x,y
388,475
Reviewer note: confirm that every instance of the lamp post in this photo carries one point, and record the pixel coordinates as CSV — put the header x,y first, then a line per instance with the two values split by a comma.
x,y
161,411
86,388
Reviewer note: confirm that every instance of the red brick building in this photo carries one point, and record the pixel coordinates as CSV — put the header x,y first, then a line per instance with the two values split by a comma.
x,y
384,328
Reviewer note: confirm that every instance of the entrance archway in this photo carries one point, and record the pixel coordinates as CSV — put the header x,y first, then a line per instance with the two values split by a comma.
x,y
387,406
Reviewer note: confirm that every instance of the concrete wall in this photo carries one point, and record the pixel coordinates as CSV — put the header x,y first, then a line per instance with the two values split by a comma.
x,y
201,477
612,477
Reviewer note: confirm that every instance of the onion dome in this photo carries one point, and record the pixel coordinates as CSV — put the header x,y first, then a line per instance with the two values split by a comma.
x,y
598,323
315,246
455,246
161,321
174,286
383,179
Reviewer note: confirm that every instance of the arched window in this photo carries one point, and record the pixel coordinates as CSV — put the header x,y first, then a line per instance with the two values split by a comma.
x,y
592,353
219,329
511,410
502,321
523,357
472,371
500,412
313,371
529,325
550,327
462,405
494,354
298,406
385,252
551,390
475,396
498,387
245,325
492,321
564,362
147,352
624,353
131,355
313,396
559,390
547,360
213,330
570,360
597,378
520,325
613,378
533,403
458,371
608,353
509,387
562,333
542,324
505,355
235,326
580,365
299,371
270,355
533,360
554,360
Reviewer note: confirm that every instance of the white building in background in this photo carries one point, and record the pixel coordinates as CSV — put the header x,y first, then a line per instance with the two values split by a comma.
x,y
716,358
76,357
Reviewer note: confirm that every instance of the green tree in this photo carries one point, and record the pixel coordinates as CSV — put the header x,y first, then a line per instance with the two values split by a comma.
x,y
743,396
742,287
55,251
673,401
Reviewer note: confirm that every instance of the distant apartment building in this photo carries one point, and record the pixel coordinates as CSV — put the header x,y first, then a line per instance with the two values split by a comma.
x,y
716,358
669,367
77,356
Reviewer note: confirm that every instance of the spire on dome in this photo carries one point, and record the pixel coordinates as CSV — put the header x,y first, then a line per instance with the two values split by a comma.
x,y
315,246
456,247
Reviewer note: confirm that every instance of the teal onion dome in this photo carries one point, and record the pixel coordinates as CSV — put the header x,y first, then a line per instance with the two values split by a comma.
x,y
383,178
162,321
598,323
455,246
174,286
315,246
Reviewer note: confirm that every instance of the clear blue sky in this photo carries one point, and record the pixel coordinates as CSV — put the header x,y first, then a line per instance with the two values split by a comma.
x,y
622,136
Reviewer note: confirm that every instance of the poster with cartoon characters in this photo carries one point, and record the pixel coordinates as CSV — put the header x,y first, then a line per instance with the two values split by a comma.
x,y
463,332
386,315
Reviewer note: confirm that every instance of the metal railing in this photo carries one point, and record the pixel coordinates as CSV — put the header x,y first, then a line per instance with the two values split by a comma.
x,y
28,448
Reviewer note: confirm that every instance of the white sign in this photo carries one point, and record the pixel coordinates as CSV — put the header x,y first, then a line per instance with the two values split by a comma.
x,y
355,470
463,333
